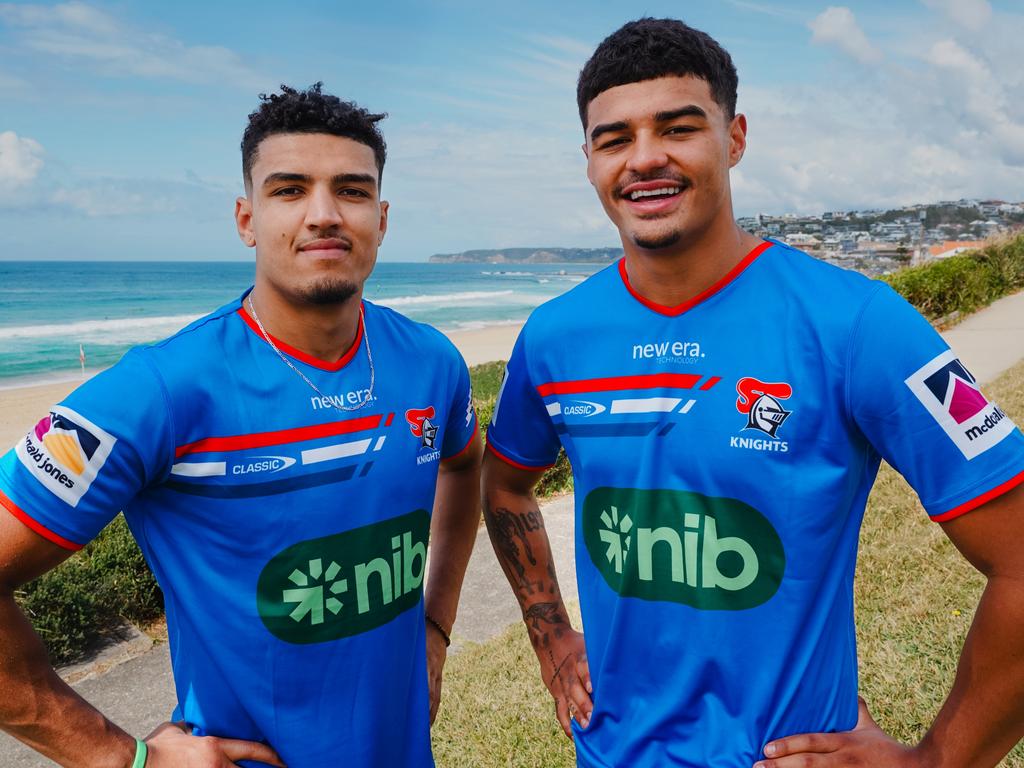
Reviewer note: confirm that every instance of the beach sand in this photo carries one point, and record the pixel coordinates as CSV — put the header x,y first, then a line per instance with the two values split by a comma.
x,y
22,407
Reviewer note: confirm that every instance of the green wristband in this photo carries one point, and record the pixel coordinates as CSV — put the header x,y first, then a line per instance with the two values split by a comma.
x,y
141,753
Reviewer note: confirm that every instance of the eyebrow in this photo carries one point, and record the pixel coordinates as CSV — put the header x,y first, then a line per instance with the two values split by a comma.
x,y
341,178
690,110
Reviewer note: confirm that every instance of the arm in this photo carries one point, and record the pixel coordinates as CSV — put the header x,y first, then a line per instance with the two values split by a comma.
x,y
983,716
40,709
453,528
516,528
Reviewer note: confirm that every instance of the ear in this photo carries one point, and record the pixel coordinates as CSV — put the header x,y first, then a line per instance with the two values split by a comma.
x,y
383,226
243,221
737,139
586,154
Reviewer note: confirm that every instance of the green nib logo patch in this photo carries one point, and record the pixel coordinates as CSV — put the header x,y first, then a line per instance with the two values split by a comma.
x,y
707,552
342,585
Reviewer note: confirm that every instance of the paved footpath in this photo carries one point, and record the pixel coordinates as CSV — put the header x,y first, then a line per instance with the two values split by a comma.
x,y
136,691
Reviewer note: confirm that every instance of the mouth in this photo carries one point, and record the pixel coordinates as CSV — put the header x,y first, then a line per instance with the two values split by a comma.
x,y
652,197
326,248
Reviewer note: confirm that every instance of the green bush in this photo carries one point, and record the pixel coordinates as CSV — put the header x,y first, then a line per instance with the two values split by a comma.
x,y
91,595
486,381
965,282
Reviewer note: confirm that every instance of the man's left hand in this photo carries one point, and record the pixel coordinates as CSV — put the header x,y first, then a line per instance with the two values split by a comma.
x,y
865,745
437,652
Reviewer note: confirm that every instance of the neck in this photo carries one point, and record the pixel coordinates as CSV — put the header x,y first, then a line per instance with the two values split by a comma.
x,y
325,332
674,275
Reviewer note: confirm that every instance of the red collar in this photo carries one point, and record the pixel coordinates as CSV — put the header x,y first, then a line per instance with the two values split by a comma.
x,y
298,354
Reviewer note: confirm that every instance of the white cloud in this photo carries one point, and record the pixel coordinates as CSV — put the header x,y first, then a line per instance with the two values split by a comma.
x,y
78,33
971,14
837,26
21,159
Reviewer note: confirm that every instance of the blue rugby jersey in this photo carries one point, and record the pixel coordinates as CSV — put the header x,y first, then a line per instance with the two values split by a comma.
x,y
722,452
289,538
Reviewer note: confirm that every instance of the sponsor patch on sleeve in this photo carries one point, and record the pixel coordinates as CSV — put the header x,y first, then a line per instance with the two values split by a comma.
x,y
64,452
952,396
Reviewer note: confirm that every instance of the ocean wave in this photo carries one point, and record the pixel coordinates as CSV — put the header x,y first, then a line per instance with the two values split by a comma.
x,y
441,298
134,325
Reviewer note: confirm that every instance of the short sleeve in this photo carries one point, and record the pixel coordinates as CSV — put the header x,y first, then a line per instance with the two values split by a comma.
x,y
86,459
461,424
521,431
925,413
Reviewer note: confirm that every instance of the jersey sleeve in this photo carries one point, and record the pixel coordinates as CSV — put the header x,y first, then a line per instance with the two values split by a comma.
x,y
81,463
926,414
521,431
461,426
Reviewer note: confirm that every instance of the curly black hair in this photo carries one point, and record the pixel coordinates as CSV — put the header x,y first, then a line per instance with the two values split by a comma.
x,y
310,111
648,48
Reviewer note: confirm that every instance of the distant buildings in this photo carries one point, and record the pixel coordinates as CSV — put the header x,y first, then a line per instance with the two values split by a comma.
x,y
876,242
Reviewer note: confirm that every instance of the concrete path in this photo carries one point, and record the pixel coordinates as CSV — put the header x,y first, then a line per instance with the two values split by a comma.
x,y
138,693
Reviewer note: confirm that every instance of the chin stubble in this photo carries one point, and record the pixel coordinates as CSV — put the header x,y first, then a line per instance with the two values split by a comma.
x,y
326,292
656,243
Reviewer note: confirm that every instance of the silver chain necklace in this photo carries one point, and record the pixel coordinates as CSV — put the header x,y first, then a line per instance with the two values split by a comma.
x,y
324,398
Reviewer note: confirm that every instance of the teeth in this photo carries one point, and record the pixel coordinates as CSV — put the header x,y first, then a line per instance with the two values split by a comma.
x,y
640,193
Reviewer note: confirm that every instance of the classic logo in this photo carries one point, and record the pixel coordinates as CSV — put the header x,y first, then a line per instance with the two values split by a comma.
x,y
585,408
951,395
257,464
706,552
342,585
757,399
65,451
421,426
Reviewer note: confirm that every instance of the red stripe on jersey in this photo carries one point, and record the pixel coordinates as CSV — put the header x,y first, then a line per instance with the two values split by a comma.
x,y
298,354
967,506
513,462
648,381
387,422
710,383
39,528
280,437
731,275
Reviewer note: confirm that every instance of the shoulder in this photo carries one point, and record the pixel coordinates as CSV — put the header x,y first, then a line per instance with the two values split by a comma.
x,y
592,295
415,338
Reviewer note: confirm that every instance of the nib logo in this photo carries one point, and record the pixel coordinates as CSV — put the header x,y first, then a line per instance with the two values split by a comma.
x,y
310,599
682,547
615,535
345,584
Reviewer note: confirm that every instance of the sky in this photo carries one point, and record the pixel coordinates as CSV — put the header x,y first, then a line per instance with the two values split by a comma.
x,y
120,121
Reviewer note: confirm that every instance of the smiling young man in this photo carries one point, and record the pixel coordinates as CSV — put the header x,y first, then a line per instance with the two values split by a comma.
x,y
278,466
725,405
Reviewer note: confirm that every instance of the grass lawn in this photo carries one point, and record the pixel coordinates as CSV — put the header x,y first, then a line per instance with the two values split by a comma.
x,y
915,596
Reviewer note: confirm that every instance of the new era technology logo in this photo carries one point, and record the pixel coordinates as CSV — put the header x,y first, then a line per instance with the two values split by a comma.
x,y
65,451
951,395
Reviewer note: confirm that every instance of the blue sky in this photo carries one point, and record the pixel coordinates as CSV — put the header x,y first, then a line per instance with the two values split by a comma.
x,y
120,121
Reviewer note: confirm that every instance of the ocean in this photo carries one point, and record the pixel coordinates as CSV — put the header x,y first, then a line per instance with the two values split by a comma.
x,y
48,309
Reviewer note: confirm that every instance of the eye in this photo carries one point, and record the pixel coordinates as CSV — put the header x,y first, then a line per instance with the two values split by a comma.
x,y
614,142
286,192
353,192
681,129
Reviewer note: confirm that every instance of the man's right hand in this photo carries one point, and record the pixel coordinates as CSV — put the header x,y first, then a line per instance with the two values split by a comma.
x,y
172,746
563,664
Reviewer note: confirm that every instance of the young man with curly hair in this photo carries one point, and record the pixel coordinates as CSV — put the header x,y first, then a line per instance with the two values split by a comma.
x,y
725,403
278,466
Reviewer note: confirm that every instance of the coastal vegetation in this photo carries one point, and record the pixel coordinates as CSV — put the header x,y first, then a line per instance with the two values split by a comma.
x,y
944,291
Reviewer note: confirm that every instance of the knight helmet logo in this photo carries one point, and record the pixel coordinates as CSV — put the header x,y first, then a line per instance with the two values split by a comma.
x,y
421,426
759,400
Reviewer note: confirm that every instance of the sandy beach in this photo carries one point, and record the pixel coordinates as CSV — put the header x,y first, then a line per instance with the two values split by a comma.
x,y
22,407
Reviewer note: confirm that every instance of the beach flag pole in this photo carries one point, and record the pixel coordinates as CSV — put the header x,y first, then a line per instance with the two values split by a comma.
x,y
81,359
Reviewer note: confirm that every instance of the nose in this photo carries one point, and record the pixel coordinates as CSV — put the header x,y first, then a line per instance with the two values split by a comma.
x,y
647,154
323,210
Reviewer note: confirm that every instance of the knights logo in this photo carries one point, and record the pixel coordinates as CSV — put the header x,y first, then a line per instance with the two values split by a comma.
x,y
759,400
421,426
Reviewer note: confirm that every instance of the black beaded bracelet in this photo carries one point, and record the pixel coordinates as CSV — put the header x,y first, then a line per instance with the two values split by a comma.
x,y
433,622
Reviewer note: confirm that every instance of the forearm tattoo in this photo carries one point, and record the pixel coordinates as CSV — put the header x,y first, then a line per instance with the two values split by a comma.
x,y
510,531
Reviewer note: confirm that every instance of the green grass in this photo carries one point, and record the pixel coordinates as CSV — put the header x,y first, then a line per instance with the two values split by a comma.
x,y
915,596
